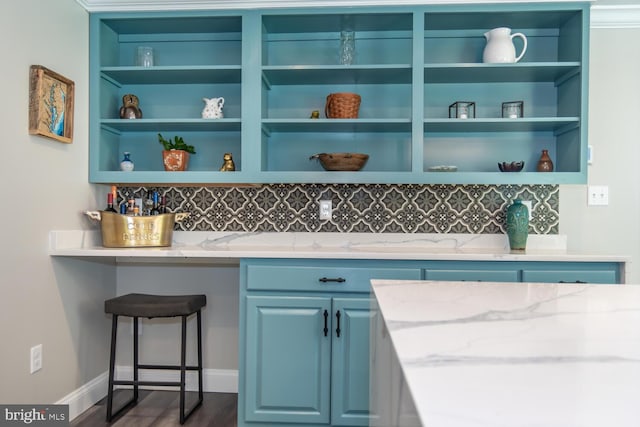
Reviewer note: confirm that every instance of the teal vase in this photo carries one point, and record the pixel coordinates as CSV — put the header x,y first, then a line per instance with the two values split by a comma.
x,y
517,225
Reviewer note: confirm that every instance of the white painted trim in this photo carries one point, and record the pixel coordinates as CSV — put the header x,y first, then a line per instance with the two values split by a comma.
x,y
214,380
627,16
83,398
86,396
614,16
130,5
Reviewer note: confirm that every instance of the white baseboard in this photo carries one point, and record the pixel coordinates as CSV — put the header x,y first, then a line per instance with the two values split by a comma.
x,y
83,398
86,396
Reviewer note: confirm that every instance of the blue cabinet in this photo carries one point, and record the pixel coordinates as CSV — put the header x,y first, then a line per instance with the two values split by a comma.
x,y
352,319
304,340
288,360
305,329
275,66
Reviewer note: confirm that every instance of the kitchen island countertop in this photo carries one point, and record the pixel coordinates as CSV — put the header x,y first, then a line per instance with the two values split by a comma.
x,y
519,354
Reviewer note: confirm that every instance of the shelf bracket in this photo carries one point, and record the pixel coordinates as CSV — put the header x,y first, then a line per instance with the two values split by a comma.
x,y
566,128
110,130
110,80
266,81
566,76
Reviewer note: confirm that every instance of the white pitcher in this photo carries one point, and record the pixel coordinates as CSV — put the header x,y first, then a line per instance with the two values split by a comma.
x,y
500,46
213,108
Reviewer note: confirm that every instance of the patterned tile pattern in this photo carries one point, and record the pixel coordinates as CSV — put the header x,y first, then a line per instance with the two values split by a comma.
x,y
474,209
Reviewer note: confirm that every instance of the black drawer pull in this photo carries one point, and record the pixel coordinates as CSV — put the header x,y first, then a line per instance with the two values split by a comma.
x,y
326,326
329,279
338,324
577,281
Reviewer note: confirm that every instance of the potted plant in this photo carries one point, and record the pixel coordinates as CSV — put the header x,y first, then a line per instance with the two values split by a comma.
x,y
175,155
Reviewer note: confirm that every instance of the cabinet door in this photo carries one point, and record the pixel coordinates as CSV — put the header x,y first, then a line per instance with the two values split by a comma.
x,y
350,361
287,359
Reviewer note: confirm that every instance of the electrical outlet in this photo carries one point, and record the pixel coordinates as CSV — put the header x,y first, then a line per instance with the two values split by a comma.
x,y
325,209
598,195
36,358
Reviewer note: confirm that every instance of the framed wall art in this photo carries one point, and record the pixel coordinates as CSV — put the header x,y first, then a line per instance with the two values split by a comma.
x,y
50,104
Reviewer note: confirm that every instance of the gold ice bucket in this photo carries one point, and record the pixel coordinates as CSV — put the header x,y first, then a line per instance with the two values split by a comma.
x,y
124,231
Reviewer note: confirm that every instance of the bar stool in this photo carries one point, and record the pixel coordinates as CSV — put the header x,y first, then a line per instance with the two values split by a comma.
x,y
149,306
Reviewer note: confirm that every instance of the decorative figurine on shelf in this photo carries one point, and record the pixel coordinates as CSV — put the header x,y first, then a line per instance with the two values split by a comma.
x,y
213,108
315,114
130,109
228,165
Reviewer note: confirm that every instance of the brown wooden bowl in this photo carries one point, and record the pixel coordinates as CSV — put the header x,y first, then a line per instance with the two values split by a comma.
x,y
511,167
341,161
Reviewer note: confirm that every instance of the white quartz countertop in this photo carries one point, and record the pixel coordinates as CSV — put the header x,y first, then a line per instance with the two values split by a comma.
x,y
508,355
400,246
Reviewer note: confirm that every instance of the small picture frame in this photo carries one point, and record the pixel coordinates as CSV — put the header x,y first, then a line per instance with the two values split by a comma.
x,y
50,104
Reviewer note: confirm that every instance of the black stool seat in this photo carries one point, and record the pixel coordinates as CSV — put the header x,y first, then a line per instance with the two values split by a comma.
x,y
145,305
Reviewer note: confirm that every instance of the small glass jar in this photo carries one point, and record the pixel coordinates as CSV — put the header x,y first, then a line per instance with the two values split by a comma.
x,y
144,56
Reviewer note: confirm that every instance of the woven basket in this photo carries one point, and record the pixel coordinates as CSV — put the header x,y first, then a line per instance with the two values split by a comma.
x,y
343,105
341,161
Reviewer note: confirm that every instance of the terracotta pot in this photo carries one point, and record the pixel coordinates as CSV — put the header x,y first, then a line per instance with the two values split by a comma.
x,y
175,160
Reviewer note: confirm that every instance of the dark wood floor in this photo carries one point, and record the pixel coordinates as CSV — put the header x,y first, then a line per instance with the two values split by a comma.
x,y
161,408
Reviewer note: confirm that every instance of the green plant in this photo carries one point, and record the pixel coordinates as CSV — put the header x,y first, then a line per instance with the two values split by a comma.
x,y
176,144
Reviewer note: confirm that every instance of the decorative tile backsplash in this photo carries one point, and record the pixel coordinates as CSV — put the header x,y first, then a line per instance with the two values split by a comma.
x,y
405,208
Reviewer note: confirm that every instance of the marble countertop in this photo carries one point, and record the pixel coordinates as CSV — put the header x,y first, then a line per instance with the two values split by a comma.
x,y
210,245
495,354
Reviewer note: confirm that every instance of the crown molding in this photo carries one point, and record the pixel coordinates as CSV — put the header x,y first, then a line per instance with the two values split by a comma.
x,y
618,16
610,16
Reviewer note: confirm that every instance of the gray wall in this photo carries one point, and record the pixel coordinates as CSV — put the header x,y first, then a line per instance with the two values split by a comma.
x,y
58,302
614,133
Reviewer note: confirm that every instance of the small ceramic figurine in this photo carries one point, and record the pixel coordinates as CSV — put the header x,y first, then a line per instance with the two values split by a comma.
x,y
213,108
130,109
228,164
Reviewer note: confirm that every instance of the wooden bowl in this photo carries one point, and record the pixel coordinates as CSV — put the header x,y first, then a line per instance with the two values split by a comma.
x,y
511,167
341,161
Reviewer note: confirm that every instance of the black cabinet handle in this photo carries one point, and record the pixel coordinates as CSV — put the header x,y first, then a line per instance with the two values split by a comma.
x,y
328,279
326,326
577,281
338,324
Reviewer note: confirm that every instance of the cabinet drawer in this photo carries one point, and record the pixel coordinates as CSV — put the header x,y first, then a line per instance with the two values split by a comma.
x,y
570,276
473,275
322,278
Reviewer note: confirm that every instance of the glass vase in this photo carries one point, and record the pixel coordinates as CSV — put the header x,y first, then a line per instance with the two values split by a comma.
x,y
347,54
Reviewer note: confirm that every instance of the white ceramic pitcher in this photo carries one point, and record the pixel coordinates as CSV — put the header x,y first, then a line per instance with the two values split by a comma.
x,y
213,108
500,46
